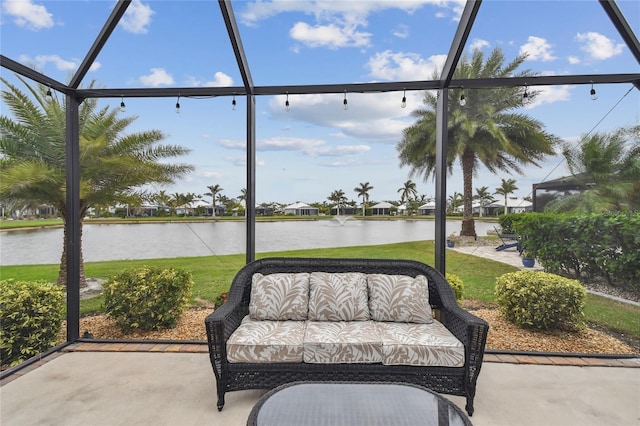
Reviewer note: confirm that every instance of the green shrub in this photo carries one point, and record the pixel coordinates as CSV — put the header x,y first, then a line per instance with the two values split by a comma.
x,y
147,298
541,300
31,314
456,284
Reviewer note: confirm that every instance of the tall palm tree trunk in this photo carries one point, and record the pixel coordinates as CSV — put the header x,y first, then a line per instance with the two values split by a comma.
x,y
468,224
62,275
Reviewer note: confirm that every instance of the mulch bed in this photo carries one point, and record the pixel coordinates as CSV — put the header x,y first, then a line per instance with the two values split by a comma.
x,y
502,334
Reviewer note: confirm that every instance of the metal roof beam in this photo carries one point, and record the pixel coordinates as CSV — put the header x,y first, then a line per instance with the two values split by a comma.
x,y
459,40
236,43
481,83
623,27
98,44
32,74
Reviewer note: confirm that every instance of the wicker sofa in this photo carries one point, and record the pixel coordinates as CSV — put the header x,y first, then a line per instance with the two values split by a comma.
x,y
249,351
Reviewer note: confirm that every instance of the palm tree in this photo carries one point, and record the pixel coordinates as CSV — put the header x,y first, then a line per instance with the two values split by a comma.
x,y
338,197
454,201
485,131
213,191
507,187
484,197
408,191
114,165
363,191
607,165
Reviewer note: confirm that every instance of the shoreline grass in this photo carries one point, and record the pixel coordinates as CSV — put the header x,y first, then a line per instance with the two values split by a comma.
x,y
213,275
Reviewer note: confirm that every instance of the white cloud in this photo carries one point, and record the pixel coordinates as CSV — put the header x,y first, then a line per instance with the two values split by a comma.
x,y
41,61
598,46
390,65
137,18
158,77
401,31
537,49
28,15
220,79
478,43
550,95
337,23
371,117
332,36
306,146
212,174
573,60
241,161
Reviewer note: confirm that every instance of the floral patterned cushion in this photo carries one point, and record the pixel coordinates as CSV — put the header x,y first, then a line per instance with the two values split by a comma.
x,y
419,344
266,341
399,298
328,342
338,297
279,297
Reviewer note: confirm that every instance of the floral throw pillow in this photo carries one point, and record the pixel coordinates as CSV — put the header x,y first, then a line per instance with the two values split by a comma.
x,y
338,296
279,297
399,298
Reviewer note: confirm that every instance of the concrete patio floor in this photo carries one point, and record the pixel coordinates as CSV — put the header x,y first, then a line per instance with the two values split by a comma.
x,y
178,388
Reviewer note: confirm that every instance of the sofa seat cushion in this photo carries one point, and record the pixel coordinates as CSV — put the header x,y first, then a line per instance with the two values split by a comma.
x,y
399,298
342,342
279,297
338,297
420,344
266,341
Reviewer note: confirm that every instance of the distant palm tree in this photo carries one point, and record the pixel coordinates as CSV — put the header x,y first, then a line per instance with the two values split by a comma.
x,y
608,166
338,198
507,187
114,163
363,191
455,201
408,191
484,197
213,191
486,131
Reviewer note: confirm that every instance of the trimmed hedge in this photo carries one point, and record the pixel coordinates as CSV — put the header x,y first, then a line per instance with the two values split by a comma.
x,y
583,246
147,298
541,300
31,315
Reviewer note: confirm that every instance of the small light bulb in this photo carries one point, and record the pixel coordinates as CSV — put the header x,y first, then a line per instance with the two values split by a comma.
x,y
463,100
594,96
178,105
286,104
345,103
403,104
49,96
122,105
233,103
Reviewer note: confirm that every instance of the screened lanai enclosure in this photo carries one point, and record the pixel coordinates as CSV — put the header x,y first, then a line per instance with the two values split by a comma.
x,y
292,76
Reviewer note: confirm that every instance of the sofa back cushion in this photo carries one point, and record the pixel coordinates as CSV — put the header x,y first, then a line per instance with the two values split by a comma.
x,y
399,298
338,297
279,297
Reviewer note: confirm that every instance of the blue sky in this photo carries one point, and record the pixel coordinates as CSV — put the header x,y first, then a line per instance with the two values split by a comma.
x,y
318,147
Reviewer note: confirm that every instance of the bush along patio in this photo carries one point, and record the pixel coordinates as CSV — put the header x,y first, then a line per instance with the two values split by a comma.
x,y
594,246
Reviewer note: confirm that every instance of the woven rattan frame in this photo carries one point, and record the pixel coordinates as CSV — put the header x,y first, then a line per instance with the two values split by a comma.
x,y
469,329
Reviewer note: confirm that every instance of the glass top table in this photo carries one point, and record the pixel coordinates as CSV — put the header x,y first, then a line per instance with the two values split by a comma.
x,y
354,404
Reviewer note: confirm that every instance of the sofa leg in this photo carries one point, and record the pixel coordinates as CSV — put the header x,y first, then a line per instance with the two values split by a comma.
x,y
220,402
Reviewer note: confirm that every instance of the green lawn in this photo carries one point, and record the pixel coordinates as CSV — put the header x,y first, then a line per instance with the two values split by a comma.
x,y
213,274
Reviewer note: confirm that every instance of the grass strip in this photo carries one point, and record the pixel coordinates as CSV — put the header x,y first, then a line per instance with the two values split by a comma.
x,y
213,275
